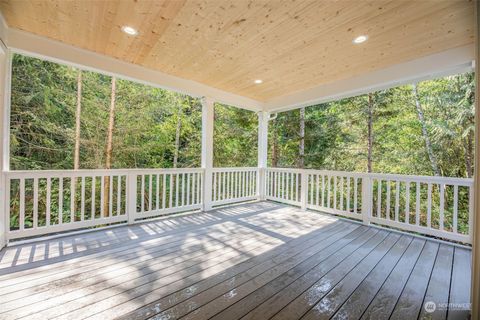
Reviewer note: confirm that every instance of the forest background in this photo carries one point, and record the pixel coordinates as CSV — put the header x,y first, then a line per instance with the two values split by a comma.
x,y
65,118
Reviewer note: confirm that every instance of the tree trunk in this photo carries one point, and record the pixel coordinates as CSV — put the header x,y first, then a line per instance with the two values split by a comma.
x,y
468,145
76,153
428,145
370,131
301,148
177,134
76,156
108,153
275,145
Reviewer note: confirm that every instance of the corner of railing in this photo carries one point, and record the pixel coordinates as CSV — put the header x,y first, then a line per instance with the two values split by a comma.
x,y
131,197
367,199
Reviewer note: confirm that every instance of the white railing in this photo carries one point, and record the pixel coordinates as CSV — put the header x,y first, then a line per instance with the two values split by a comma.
x,y
284,185
164,191
335,192
51,201
436,206
42,202
231,185
45,202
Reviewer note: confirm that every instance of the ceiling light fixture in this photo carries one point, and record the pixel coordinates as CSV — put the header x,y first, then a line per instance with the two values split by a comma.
x,y
129,30
258,81
360,39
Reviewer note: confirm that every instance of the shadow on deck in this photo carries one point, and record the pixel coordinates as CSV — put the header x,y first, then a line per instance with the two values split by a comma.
x,y
251,261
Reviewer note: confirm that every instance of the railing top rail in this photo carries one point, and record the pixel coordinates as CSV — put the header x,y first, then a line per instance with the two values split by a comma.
x,y
286,169
234,169
385,176
424,179
94,172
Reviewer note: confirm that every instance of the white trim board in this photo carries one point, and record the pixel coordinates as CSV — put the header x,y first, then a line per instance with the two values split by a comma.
x,y
448,62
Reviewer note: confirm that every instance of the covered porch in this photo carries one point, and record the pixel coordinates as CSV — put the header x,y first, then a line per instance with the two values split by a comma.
x,y
255,242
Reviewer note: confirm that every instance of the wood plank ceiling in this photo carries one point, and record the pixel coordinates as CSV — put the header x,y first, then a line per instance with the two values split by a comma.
x,y
290,44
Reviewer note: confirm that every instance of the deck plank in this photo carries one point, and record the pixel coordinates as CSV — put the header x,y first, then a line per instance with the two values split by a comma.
x,y
149,277
356,290
266,298
90,262
155,253
384,302
459,308
410,302
250,261
214,306
188,287
439,285
234,276
372,250
215,300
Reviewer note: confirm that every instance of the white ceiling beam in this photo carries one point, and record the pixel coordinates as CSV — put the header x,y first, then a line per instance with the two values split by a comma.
x,y
55,51
448,62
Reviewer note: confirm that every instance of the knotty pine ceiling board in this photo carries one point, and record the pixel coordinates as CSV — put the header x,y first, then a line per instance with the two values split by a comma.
x,y
290,45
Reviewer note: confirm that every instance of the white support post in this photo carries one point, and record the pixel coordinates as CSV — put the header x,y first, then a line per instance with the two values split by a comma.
x,y
131,197
262,153
5,66
367,199
208,112
304,190
475,228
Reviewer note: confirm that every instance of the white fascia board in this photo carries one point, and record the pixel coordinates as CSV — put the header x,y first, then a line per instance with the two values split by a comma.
x,y
55,51
445,63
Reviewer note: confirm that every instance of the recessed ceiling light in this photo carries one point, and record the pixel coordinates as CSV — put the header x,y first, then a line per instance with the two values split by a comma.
x,y
129,30
360,39
258,81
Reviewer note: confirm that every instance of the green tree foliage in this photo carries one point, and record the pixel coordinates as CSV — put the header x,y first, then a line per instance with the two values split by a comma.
x,y
41,91
336,132
146,119
235,137
43,116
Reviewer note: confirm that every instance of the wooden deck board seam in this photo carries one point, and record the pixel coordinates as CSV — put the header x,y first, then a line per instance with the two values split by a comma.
x,y
246,237
294,254
263,260
353,268
332,244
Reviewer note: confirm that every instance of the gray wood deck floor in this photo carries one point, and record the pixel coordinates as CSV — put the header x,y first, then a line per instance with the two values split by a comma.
x,y
253,261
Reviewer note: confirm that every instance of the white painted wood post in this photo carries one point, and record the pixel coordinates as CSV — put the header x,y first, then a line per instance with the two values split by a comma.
x,y
262,153
5,66
131,197
304,189
475,227
208,113
367,199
